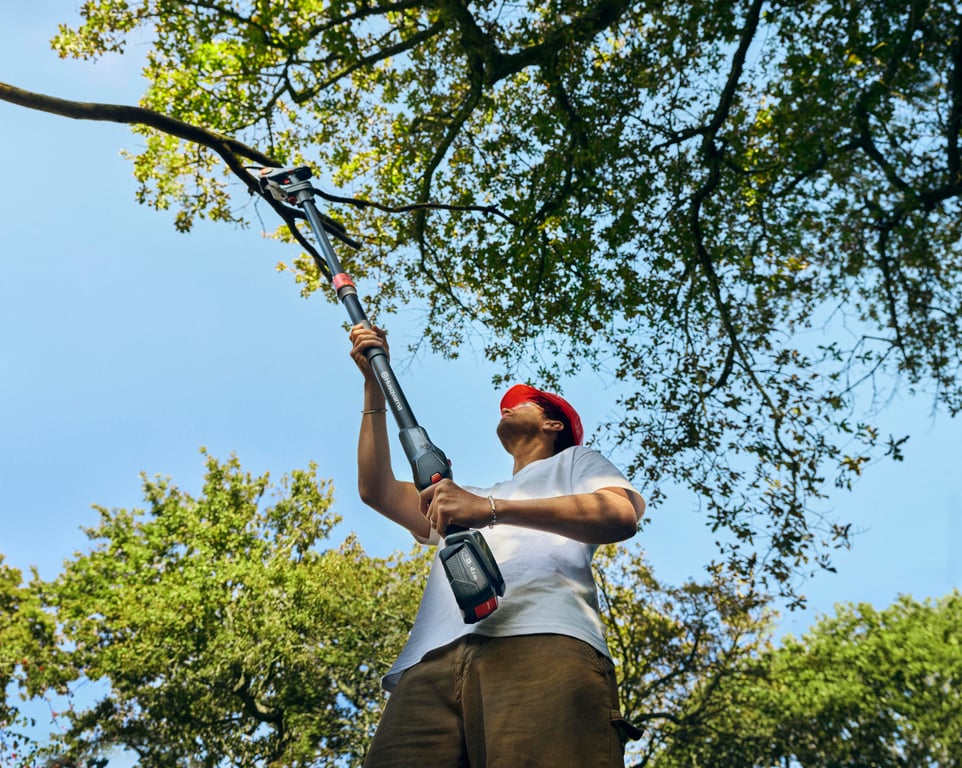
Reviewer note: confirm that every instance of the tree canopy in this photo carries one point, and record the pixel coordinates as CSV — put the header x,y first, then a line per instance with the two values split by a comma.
x,y
747,214
862,687
678,649
224,630
26,630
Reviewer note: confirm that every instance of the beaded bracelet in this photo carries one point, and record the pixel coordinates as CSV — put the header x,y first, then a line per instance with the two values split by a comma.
x,y
494,512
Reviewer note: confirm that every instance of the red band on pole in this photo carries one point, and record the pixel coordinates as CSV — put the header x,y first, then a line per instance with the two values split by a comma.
x,y
340,280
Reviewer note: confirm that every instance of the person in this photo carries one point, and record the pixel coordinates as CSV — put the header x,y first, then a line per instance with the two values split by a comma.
x,y
532,684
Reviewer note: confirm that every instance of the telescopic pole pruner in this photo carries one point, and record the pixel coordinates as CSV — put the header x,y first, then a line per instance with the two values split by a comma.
x,y
472,570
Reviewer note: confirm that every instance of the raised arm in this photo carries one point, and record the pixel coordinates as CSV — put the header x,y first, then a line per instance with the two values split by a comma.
x,y
396,499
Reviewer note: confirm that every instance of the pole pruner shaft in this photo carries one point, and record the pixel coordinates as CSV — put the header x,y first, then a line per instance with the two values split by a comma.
x,y
472,571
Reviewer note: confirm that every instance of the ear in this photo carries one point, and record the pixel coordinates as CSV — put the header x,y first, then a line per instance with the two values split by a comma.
x,y
552,425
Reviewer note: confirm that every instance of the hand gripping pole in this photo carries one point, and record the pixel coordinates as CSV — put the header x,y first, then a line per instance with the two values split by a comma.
x,y
472,571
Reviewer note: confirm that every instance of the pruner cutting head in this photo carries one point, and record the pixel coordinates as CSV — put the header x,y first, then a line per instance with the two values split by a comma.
x,y
293,186
283,183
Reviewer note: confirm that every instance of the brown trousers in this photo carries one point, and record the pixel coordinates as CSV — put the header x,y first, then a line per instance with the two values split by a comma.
x,y
504,702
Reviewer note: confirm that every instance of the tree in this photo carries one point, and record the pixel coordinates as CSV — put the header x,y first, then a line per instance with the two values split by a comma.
x,y
24,630
224,633
10,602
746,213
863,687
678,650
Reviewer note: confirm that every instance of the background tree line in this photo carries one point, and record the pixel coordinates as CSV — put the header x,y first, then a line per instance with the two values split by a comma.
x,y
228,630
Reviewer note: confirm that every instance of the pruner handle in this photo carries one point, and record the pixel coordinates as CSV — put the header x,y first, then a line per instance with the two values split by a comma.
x,y
429,465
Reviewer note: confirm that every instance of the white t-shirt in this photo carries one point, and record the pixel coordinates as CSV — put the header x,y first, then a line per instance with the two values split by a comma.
x,y
549,586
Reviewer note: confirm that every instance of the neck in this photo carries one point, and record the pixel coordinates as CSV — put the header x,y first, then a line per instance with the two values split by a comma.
x,y
529,451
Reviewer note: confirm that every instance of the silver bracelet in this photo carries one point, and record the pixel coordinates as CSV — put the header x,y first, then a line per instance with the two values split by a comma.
x,y
494,512
375,410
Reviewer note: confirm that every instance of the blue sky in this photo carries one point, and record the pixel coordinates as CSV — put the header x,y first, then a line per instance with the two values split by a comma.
x,y
125,346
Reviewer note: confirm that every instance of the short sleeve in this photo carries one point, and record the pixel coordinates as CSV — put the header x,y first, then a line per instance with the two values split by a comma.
x,y
590,472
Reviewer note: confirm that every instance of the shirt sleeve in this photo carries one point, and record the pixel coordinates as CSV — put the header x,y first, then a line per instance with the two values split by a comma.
x,y
590,472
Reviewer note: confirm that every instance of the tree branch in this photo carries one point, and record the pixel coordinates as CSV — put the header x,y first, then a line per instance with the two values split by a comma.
x,y
230,150
954,123
118,113
580,30
702,194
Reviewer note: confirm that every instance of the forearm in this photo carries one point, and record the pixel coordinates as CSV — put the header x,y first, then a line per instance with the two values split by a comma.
x,y
373,447
602,517
376,483
605,516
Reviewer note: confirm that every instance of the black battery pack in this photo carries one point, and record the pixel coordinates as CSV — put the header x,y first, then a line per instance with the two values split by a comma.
x,y
473,573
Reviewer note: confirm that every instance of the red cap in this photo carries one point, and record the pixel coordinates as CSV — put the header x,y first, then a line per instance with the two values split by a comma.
x,y
522,393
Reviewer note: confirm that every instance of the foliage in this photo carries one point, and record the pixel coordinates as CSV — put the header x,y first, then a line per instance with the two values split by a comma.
x,y
224,634
864,687
676,648
10,629
25,630
748,214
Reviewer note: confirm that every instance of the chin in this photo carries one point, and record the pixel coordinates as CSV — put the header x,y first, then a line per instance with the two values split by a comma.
x,y
505,432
